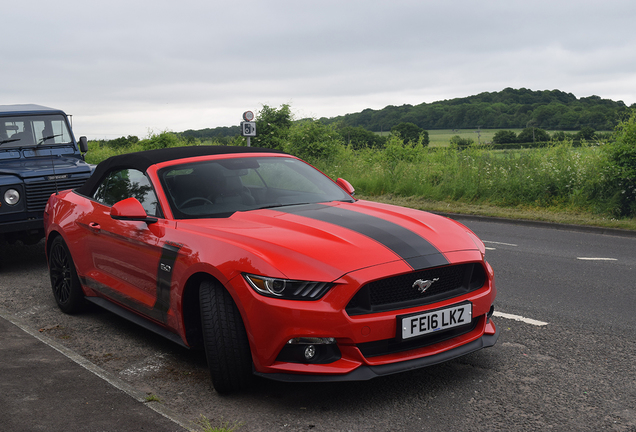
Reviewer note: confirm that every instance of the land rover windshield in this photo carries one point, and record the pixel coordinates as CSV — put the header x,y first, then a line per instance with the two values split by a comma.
x,y
32,131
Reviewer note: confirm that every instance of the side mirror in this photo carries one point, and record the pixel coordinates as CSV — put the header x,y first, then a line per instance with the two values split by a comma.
x,y
130,209
83,144
346,186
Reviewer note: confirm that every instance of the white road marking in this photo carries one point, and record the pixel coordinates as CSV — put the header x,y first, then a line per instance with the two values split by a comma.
x,y
487,248
500,243
596,259
520,318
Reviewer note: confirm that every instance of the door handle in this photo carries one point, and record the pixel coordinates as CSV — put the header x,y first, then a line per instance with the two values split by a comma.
x,y
94,226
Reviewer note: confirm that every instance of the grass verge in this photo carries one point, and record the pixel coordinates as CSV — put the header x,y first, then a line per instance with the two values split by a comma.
x,y
553,215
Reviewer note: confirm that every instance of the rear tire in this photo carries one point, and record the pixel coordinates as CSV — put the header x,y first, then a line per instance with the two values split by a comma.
x,y
226,346
66,286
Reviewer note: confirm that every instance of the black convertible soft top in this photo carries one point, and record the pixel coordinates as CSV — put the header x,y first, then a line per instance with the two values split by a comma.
x,y
144,159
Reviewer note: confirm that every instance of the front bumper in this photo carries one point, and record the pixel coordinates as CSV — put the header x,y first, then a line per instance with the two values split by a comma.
x,y
27,225
367,372
366,342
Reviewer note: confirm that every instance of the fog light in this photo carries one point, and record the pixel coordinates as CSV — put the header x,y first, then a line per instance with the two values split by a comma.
x,y
310,352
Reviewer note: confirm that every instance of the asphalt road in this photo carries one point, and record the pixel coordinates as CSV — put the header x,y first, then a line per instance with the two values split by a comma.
x,y
554,275
575,373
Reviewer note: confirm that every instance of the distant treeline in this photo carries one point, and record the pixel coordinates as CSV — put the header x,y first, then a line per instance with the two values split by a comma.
x,y
212,133
507,109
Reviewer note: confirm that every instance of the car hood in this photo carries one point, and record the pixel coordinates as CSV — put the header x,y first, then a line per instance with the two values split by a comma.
x,y
330,240
37,167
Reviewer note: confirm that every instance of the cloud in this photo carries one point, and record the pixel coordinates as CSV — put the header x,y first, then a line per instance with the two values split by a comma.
x,y
124,67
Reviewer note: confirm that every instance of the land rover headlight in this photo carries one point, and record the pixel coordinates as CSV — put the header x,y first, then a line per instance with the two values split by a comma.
x,y
12,197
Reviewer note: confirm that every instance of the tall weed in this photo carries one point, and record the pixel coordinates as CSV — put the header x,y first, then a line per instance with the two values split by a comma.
x,y
586,178
558,175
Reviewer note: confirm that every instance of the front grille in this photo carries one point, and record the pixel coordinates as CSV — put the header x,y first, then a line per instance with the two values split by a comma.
x,y
38,193
399,292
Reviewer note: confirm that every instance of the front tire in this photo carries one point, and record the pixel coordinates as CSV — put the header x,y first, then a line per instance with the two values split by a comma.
x,y
226,346
66,286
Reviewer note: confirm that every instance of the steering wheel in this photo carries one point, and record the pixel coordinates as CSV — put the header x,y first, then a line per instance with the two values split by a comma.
x,y
189,200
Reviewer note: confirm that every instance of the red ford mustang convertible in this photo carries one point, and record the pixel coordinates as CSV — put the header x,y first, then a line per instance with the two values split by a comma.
x,y
269,265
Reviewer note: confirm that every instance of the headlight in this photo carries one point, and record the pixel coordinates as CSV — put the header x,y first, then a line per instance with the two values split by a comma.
x,y
12,197
287,289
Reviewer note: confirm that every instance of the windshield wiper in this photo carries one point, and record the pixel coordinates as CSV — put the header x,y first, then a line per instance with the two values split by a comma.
x,y
9,140
48,138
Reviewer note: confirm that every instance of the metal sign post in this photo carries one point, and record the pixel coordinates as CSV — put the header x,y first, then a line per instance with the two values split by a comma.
x,y
248,127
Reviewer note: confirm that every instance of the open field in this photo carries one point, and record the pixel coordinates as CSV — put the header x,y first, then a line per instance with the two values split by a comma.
x,y
441,138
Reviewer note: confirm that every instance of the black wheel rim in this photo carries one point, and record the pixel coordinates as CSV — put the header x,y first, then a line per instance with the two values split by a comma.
x,y
60,273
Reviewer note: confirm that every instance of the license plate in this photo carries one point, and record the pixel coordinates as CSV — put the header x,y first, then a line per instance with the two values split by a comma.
x,y
440,319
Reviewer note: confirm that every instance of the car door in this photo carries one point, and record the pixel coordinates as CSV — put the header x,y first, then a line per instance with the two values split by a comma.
x,y
126,255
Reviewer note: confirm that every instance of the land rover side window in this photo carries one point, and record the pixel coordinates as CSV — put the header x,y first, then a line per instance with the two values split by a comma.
x,y
126,183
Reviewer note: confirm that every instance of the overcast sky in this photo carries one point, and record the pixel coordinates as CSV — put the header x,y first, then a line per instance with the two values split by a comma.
x,y
129,67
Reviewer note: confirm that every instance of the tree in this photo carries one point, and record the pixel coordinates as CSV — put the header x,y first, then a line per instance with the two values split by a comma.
x,y
272,127
509,108
410,133
163,140
504,137
586,133
560,136
461,142
123,142
311,140
532,134
622,170
359,138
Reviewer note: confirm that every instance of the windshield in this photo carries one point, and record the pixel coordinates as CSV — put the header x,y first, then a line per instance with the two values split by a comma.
x,y
31,131
224,186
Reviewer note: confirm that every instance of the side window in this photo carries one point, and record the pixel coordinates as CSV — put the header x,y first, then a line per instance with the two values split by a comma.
x,y
127,183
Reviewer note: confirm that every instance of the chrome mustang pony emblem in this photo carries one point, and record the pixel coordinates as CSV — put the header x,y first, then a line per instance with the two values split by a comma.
x,y
423,285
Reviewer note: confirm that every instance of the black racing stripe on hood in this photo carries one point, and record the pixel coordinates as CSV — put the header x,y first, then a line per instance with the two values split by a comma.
x,y
412,248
